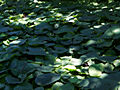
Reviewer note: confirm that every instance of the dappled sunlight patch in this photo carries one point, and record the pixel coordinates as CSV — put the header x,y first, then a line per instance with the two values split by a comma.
x,y
112,32
96,70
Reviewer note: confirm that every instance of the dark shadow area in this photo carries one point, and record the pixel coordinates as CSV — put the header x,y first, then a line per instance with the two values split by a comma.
x,y
40,38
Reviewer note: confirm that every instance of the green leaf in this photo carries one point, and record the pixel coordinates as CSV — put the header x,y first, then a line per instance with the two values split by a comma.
x,y
13,48
105,43
116,62
108,68
109,82
89,56
74,80
43,26
44,61
38,41
5,57
46,79
18,42
110,52
15,33
75,61
21,68
5,29
112,32
2,85
13,38
118,47
89,18
67,86
82,24
60,50
24,86
12,80
6,42
51,58
77,39
70,67
66,29
108,59
57,86
96,70
7,87
90,83
45,68
2,35
39,88
86,32
36,51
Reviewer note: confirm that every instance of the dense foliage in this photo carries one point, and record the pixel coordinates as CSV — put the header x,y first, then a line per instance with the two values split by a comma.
x,y
59,45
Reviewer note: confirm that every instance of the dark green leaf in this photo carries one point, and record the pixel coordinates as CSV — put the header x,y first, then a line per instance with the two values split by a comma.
x,y
46,79
67,86
12,80
24,86
66,29
39,88
36,51
43,26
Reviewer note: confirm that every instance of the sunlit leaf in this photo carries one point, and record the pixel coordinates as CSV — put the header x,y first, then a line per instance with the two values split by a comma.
x,y
96,70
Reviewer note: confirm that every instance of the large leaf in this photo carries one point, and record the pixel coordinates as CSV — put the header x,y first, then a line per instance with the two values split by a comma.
x,y
60,49
18,42
12,80
21,68
24,86
70,67
67,86
118,47
5,29
82,24
13,48
89,56
107,58
46,79
113,32
76,62
77,39
96,70
89,18
90,83
38,41
109,82
39,88
65,29
43,26
15,33
57,86
45,69
36,51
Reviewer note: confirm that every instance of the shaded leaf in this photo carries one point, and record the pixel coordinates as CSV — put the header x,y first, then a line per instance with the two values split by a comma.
x,y
46,79
36,51
39,88
67,86
24,86
12,80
